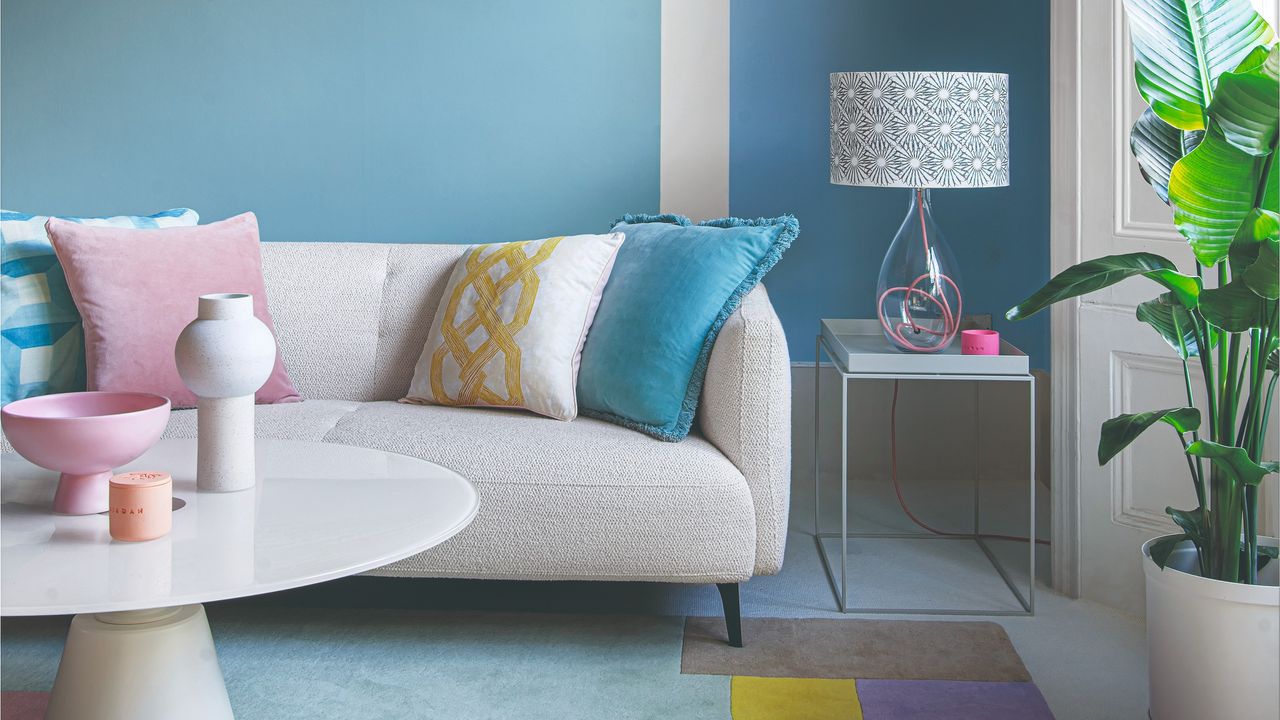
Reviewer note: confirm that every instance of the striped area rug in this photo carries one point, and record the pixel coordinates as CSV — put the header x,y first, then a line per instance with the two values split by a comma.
x,y
807,669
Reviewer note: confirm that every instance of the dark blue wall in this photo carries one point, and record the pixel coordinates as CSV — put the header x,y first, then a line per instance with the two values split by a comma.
x,y
385,120
781,55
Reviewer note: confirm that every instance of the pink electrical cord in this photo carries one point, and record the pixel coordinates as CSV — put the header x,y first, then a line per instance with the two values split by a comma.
x,y
897,489
950,320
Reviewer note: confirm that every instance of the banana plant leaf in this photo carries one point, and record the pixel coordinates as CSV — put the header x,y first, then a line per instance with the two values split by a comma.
x,y
1162,548
1103,272
1245,103
1212,190
1271,194
1230,459
1254,250
1120,431
1156,145
1263,276
1266,554
1258,227
1191,522
1174,323
1234,307
1182,46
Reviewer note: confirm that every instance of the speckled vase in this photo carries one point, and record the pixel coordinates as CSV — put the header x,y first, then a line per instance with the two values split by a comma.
x,y
224,356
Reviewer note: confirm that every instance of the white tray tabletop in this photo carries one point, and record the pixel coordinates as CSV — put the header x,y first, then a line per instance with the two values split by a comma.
x,y
319,512
860,347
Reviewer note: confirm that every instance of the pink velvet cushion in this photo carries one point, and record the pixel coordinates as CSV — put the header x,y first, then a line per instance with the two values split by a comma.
x,y
137,289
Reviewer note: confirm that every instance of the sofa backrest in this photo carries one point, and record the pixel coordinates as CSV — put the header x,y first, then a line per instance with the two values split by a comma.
x,y
351,318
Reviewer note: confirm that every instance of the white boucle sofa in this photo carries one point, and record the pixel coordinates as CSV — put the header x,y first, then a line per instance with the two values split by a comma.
x,y
580,500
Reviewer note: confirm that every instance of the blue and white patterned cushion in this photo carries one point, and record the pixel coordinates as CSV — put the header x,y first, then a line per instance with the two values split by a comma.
x,y
41,340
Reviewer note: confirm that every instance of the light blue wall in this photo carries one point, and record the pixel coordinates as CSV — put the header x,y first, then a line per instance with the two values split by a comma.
x,y
781,55
380,120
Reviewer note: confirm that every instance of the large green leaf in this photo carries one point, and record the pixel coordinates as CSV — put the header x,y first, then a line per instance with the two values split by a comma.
x,y
1258,227
1230,459
1246,104
1212,189
1233,307
1271,194
1163,547
1180,47
1121,430
1266,554
1253,256
1096,274
1191,521
1174,323
1263,276
1156,145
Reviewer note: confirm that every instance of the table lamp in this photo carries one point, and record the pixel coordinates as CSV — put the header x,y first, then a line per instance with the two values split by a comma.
x,y
920,130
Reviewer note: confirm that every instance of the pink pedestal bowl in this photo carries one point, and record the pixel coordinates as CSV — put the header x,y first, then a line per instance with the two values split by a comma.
x,y
84,436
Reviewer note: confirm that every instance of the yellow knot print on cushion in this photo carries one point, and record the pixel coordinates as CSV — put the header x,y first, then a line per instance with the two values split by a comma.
x,y
479,357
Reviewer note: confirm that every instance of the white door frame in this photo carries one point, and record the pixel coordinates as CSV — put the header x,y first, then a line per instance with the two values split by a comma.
x,y
1064,251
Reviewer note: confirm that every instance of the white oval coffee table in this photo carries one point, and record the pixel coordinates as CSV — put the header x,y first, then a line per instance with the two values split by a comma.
x,y
139,646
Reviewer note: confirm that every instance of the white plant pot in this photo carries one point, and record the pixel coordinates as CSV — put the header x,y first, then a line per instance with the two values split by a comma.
x,y
1213,647
224,356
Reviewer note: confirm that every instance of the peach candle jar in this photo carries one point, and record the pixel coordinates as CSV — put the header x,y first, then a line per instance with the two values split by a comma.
x,y
141,506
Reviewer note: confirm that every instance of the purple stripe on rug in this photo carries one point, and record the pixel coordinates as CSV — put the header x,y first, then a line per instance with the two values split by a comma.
x,y
951,699
18,705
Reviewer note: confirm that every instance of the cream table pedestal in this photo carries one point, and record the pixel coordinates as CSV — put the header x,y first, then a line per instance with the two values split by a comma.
x,y
140,646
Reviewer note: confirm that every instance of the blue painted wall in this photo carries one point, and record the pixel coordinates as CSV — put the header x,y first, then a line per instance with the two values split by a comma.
x,y
392,120
780,56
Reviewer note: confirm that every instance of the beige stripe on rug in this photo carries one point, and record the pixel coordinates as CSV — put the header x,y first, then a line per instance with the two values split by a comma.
x,y
863,649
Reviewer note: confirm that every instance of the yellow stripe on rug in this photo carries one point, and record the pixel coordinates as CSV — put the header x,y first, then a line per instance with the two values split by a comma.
x,y
770,698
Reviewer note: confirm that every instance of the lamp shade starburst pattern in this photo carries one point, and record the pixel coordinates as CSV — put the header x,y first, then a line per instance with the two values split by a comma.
x,y
920,129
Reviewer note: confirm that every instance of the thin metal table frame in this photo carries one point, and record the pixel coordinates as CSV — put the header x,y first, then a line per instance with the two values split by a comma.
x,y
841,589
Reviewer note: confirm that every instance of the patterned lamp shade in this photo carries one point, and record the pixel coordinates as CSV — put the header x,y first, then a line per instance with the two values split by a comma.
x,y
920,129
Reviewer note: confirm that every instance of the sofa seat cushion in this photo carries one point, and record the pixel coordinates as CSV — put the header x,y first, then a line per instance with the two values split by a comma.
x,y
566,501
310,420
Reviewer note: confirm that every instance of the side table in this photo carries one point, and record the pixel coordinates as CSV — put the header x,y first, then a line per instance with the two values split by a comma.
x,y
859,351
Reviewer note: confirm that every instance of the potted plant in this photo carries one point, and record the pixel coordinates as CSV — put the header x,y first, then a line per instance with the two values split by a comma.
x,y
1207,145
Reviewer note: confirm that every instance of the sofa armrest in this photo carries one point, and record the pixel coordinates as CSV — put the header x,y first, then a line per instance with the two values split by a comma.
x,y
746,412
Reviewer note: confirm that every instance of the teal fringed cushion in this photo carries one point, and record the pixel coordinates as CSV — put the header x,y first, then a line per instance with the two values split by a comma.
x,y
673,286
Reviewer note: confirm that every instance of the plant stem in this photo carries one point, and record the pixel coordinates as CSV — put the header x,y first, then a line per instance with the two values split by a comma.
x,y
1266,412
1203,334
1196,466
1197,470
1230,391
1251,533
1195,475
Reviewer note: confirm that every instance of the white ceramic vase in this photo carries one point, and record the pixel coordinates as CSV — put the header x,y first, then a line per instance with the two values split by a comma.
x,y
1213,647
224,356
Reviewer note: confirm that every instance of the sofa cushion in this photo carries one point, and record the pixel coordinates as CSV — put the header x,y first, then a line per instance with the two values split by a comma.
x,y
310,420
137,289
579,500
674,285
509,330
42,343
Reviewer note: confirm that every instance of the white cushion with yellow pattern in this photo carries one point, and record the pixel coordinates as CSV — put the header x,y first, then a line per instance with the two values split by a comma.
x,y
511,323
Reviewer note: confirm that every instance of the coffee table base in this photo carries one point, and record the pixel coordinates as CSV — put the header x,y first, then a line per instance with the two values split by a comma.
x,y
140,665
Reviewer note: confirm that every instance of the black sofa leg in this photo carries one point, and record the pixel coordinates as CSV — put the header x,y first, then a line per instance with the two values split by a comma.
x,y
732,612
